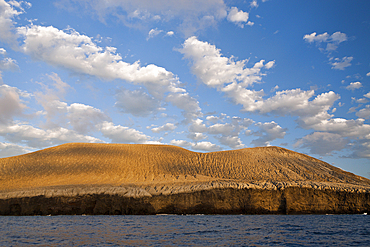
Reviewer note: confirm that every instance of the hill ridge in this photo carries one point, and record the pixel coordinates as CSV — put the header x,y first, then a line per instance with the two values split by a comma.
x,y
120,164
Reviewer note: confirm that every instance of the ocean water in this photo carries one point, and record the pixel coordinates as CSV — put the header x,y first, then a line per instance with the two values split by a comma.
x,y
186,230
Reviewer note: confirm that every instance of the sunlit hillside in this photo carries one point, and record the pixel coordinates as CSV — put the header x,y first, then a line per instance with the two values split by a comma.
x,y
124,164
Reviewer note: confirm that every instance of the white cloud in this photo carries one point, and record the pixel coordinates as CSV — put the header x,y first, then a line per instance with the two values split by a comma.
x,y
181,143
205,146
319,38
78,53
197,126
269,132
201,146
213,119
367,95
166,127
137,102
215,70
332,40
346,128
224,129
322,143
185,102
354,85
226,133
84,118
7,14
368,74
39,138
153,32
361,100
10,149
342,64
364,113
361,149
232,78
270,64
10,104
8,64
254,4
170,33
239,17
233,142
195,136
121,134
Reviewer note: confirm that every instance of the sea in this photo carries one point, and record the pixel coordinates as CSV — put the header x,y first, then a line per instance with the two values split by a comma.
x,y
186,230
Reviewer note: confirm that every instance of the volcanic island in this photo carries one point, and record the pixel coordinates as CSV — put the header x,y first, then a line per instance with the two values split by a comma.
x,y
115,179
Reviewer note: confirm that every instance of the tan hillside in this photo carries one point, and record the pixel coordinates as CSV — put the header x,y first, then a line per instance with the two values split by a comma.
x,y
129,164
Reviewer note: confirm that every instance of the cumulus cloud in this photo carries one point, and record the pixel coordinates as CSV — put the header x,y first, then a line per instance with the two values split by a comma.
x,y
137,102
224,129
332,40
215,70
364,113
197,126
84,118
201,146
181,143
7,29
239,17
205,146
122,134
361,149
319,38
322,143
269,132
233,142
213,119
80,54
233,78
10,149
354,85
185,102
7,63
226,133
166,127
195,136
10,104
342,64
39,138
367,95
170,33
354,128
254,4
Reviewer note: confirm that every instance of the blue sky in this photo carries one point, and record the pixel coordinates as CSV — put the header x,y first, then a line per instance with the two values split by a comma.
x,y
203,75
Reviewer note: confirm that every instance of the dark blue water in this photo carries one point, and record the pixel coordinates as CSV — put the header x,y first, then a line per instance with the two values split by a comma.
x,y
191,230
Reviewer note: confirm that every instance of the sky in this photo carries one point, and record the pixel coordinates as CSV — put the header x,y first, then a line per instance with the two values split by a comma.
x,y
205,75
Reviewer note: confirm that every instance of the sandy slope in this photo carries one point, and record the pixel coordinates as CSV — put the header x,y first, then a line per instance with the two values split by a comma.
x,y
158,166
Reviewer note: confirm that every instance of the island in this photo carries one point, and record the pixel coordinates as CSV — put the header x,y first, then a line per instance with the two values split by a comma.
x,y
118,179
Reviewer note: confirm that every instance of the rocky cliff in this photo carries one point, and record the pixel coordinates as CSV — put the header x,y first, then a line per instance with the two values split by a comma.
x,y
84,178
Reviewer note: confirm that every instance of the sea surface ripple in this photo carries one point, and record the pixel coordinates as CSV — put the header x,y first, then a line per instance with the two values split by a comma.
x,y
186,230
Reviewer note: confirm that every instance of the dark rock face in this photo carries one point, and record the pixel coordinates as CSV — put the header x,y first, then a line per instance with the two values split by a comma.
x,y
291,200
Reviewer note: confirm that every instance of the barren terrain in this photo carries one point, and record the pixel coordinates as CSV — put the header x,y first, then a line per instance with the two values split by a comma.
x,y
143,171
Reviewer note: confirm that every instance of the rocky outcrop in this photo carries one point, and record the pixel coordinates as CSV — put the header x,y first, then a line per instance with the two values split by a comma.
x,y
291,200
159,179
